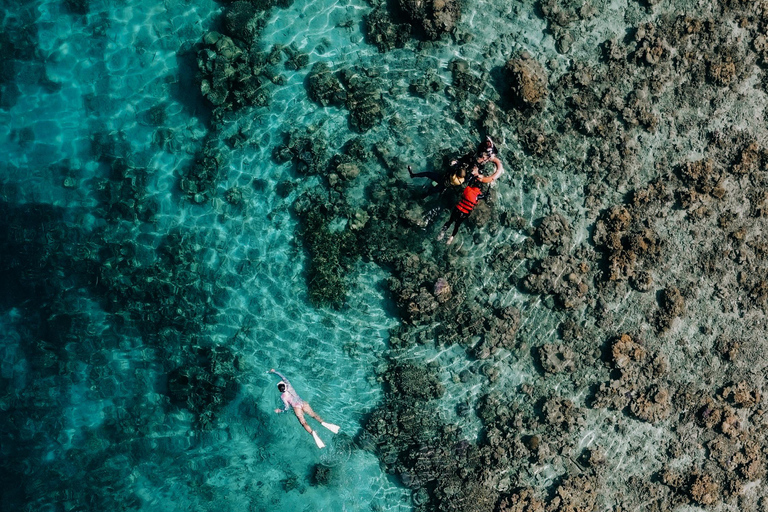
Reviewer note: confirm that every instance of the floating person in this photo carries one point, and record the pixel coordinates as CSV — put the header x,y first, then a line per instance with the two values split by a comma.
x,y
453,178
461,167
291,399
484,152
469,198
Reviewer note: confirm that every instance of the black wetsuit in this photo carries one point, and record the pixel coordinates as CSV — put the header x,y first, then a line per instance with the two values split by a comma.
x,y
439,181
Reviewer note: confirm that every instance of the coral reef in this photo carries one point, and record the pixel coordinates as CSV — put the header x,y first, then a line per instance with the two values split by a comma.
x,y
384,33
639,382
433,18
203,175
324,87
81,7
306,151
205,383
528,82
331,252
58,271
564,277
628,262
364,99
229,75
357,89
556,358
412,381
123,193
627,244
19,52
599,328
242,21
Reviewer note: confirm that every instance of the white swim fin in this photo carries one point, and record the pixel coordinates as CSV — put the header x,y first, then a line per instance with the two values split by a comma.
x,y
319,442
330,426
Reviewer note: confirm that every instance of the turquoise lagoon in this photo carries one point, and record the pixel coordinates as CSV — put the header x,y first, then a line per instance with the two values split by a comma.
x,y
103,72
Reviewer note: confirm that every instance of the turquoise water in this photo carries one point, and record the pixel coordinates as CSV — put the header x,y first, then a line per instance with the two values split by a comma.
x,y
103,435
138,320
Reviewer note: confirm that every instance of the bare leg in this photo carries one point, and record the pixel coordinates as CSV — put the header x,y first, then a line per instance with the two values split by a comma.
x,y
300,414
308,410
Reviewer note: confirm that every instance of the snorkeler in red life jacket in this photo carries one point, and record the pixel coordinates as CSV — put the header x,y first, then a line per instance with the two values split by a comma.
x,y
469,198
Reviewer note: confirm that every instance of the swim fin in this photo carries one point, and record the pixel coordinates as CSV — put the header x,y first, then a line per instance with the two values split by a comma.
x,y
319,442
330,426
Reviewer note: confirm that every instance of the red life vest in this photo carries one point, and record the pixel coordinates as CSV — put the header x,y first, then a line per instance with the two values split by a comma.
x,y
469,201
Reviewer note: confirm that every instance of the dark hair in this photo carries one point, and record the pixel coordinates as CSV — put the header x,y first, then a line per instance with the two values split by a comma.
x,y
281,386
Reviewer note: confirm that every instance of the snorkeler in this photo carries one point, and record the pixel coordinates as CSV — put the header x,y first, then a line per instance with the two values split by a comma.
x,y
484,152
469,198
459,168
453,178
291,399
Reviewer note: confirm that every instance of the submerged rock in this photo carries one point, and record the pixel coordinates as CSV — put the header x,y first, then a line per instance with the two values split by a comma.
x,y
206,384
382,32
229,75
323,86
528,82
433,17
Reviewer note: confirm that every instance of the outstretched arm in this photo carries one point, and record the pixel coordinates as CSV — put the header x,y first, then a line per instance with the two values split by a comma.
x,y
285,379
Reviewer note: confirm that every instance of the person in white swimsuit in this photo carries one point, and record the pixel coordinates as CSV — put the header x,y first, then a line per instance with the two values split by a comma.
x,y
292,400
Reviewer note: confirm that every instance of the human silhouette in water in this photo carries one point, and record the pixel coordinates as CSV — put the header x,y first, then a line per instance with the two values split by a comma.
x,y
460,168
469,198
291,399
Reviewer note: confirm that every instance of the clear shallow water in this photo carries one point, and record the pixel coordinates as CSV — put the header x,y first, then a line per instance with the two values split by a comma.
x,y
111,67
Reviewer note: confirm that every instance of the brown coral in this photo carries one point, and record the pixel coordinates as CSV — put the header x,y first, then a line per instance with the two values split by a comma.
x,y
626,351
524,500
704,490
638,385
653,405
529,82
556,358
